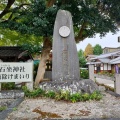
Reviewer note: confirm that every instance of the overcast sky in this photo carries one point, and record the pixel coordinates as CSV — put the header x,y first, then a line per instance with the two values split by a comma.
x,y
109,40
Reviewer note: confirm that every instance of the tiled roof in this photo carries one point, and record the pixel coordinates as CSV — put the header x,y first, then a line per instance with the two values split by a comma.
x,y
6,51
116,53
115,61
105,60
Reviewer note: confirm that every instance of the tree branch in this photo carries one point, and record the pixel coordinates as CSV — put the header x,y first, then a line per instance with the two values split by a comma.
x,y
16,8
50,3
80,36
6,10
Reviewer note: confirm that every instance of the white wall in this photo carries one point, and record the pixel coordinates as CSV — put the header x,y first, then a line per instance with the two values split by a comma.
x,y
109,67
105,66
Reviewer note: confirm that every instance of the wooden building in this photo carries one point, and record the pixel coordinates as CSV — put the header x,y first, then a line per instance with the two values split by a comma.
x,y
106,62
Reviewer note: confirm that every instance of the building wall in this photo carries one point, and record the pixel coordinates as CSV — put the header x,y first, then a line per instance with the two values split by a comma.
x,y
103,68
107,50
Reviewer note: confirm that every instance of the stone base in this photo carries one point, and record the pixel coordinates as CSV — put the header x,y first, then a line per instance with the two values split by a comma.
x,y
83,86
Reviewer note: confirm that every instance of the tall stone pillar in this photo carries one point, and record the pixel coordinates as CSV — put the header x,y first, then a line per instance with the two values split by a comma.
x,y
65,62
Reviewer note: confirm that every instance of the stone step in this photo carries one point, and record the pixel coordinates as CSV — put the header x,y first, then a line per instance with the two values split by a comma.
x,y
11,94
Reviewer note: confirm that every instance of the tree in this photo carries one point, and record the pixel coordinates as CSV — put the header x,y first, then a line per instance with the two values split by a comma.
x,y
82,61
8,37
97,49
36,17
88,50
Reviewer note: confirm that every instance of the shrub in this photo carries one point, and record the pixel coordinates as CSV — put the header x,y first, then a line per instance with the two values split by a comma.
x,y
75,97
3,108
106,73
62,95
33,94
50,94
84,74
8,86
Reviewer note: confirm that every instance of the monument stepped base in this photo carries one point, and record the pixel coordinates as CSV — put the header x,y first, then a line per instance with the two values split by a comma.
x,y
83,86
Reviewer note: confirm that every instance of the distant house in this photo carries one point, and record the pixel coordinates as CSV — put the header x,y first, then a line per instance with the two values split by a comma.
x,y
110,49
89,57
106,62
14,54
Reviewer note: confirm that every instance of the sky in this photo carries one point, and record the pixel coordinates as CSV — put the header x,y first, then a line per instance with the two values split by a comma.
x,y
109,40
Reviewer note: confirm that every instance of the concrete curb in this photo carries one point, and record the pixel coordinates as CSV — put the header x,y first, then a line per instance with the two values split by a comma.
x,y
114,94
10,108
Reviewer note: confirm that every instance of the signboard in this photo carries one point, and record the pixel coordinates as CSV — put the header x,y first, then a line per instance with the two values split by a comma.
x,y
16,72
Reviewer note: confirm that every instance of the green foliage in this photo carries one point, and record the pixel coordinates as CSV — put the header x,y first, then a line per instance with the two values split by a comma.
x,y
3,108
86,96
50,94
33,49
82,61
84,73
95,96
38,20
8,86
97,49
14,109
75,97
35,93
11,37
62,95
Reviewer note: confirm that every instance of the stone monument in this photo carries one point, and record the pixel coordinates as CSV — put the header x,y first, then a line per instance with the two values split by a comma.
x,y
65,62
65,58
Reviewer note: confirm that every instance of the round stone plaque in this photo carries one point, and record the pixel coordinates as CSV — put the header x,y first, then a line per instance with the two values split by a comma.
x,y
64,31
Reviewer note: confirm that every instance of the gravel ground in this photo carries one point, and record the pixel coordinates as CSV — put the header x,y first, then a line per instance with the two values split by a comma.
x,y
6,102
36,109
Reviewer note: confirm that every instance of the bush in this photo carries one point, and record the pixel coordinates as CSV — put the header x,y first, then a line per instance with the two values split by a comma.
x,y
106,73
8,86
33,94
62,95
84,74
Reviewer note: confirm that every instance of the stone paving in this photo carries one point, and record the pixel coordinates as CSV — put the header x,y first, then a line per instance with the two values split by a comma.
x,y
106,82
36,109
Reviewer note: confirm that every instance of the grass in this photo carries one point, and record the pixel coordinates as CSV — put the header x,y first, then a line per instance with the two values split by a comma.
x,y
3,108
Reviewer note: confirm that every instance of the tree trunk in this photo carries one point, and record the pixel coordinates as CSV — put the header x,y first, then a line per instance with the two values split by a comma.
x,y
44,57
